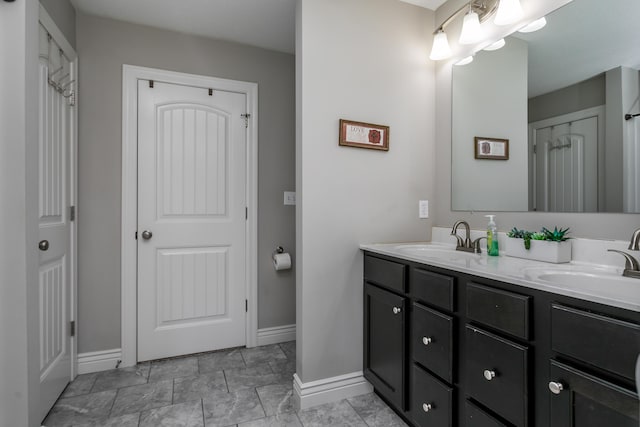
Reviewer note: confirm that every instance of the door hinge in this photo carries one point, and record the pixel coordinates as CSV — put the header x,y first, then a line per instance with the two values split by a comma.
x,y
246,306
151,84
136,235
72,328
246,118
210,92
72,213
246,212
535,148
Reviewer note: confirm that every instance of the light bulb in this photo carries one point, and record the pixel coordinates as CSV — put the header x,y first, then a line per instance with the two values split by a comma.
x,y
440,49
471,31
495,46
534,26
509,11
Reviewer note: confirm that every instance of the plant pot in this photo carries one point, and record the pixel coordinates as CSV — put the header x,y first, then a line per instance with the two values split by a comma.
x,y
540,250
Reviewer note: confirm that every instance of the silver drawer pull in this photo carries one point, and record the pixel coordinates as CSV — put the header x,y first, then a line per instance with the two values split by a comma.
x,y
426,407
426,340
489,375
556,387
396,310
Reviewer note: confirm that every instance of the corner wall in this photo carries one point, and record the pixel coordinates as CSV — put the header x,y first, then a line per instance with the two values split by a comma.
x,y
104,45
362,60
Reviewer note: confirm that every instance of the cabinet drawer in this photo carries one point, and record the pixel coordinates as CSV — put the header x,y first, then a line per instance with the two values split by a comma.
x,y
432,341
588,401
601,341
502,310
478,418
385,273
431,400
496,374
432,288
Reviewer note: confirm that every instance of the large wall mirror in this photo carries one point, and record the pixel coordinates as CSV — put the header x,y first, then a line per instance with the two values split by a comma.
x,y
559,96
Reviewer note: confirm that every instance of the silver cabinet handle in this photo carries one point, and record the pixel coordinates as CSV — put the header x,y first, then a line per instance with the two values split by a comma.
x,y
146,234
556,387
43,245
426,407
426,340
396,310
489,375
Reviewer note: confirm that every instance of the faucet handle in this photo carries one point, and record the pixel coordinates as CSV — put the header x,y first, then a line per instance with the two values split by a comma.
x,y
630,262
476,244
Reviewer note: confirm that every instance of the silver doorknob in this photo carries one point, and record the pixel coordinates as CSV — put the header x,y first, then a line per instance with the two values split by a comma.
x,y
556,387
396,310
426,407
489,375
146,234
43,245
426,340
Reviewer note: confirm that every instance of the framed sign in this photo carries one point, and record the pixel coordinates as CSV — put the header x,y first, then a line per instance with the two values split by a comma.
x,y
364,135
491,148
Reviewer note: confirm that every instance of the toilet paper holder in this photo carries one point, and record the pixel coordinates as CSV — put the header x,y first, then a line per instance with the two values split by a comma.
x,y
279,250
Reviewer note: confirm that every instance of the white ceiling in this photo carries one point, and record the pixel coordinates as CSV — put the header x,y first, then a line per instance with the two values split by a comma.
x,y
269,24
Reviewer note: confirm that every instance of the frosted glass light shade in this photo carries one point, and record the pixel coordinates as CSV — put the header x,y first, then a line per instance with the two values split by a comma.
x,y
495,46
465,61
471,31
534,26
509,11
440,49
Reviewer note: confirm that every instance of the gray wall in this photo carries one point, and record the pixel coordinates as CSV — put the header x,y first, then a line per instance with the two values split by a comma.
x,y
363,60
19,330
103,47
589,225
579,96
64,15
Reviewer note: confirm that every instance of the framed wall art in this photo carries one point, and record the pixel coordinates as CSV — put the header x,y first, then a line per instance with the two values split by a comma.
x,y
364,135
491,148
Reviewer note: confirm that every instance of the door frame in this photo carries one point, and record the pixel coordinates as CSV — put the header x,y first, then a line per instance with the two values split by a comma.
x,y
129,265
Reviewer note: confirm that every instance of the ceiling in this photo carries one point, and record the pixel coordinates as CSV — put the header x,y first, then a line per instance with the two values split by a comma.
x,y
269,24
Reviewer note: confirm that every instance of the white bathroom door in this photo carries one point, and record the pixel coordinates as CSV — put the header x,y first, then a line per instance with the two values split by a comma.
x,y
54,233
191,219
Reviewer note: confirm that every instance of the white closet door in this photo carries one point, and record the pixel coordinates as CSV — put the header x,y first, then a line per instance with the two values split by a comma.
x,y
191,220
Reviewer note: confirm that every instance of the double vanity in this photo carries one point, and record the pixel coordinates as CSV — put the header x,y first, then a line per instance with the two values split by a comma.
x,y
456,338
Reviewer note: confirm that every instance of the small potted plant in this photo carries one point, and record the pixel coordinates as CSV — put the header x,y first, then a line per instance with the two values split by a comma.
x,y
545,245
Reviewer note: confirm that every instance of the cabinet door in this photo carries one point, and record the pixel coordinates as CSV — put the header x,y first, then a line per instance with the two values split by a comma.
x,y
385,343
431,400
582,400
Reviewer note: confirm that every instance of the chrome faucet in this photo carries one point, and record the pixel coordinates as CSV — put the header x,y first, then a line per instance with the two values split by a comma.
x,y
634,244
466,244
631,265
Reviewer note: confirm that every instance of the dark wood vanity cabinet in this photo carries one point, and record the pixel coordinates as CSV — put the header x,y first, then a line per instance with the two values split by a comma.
x,y
445,348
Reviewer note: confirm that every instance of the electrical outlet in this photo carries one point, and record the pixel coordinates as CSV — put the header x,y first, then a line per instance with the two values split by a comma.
x,y
423,209
289,197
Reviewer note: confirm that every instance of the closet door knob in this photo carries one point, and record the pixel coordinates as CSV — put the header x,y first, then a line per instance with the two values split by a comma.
x,y
43,245
426,340
489,375
426,407
556,387
397,310
146,234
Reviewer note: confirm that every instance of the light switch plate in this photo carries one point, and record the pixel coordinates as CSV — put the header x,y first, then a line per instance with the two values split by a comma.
x,y
289,197
423,209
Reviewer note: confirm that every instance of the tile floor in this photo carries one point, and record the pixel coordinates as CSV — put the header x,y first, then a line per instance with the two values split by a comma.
x,y
238,387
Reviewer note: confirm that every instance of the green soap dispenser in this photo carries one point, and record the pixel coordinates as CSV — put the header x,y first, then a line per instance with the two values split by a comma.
x,y
492,236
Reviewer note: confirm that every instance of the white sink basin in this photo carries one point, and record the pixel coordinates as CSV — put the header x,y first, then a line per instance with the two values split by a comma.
x,y
603,282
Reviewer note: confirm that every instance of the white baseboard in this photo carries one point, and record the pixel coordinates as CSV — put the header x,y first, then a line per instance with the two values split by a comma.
x,y
328,390
97,361
276,334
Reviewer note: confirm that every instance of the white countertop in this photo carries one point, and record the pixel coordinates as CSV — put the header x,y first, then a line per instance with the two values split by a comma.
x,y
522,272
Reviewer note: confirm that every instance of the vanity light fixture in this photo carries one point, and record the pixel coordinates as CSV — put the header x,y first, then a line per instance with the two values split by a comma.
x,y
495,46
465,61
534,26
478,11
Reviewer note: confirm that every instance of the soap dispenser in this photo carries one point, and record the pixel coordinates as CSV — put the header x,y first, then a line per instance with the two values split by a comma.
x,y
492,236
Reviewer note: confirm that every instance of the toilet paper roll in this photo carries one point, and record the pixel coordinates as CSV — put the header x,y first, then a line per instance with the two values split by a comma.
x,y
282,261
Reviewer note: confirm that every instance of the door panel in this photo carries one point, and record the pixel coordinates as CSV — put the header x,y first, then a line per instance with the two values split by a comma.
x,y
192,198
54,230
